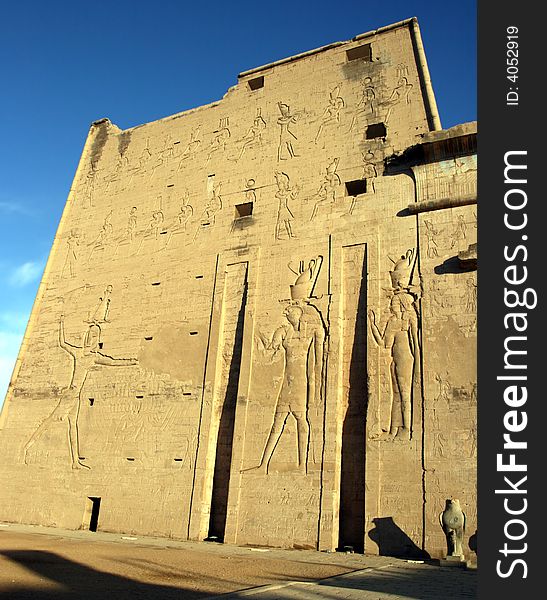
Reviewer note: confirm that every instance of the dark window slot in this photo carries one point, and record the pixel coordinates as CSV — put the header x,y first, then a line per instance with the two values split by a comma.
x,y
193,333
377,130
91,401
244,210
364,52
256,83
354,188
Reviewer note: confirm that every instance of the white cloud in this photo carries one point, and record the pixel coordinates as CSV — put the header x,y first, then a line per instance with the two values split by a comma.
x,y
13,207
26,273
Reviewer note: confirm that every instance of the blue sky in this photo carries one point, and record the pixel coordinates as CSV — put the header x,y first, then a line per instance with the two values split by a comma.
x,y
68,63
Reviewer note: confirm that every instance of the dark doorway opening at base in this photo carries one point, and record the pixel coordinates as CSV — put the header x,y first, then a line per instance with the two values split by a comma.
x,y
93,509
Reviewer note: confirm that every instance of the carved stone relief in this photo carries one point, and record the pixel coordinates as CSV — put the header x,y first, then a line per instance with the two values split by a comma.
x,y
285,216
401,92
153,231
326,194
131,231
85,358
192,147
431,233
212,207
459,233
331,114
399,335
105,236
69,266
220,139
300,341
88,187
184,215
367,102
285,149
253,136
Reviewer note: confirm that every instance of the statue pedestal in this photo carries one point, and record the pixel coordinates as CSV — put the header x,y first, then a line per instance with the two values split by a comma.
x,y
453,561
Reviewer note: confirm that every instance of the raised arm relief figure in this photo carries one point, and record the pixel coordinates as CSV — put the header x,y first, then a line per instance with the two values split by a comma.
x,y
84,359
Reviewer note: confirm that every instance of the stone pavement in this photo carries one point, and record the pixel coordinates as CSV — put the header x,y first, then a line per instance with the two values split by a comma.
x,y
38,563
397,581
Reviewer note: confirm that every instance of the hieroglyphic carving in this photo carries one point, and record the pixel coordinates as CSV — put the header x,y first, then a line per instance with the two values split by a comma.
x,y
100,314
211,209
89,184
73,241
400,337
326,194
470,295
131,231
286,136
459,233
185,214
367,102
154,229
165,155
370,173
84,358
284,215
331,115
104,237
253,136
220,139
192,146
431,233
250,191
401,92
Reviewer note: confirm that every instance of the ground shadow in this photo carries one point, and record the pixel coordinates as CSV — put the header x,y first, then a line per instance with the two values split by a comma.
x,y
393,541
82,583
419,582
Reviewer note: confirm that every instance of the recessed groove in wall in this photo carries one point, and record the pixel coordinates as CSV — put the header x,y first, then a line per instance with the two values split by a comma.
x,y
91,401
193,333
156,283
130,459
149,338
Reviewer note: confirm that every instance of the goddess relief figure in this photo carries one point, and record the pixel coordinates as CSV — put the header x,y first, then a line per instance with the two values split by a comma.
x,y
400,337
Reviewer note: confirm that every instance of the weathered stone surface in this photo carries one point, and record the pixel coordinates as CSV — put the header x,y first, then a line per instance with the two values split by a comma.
x,y
241,332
